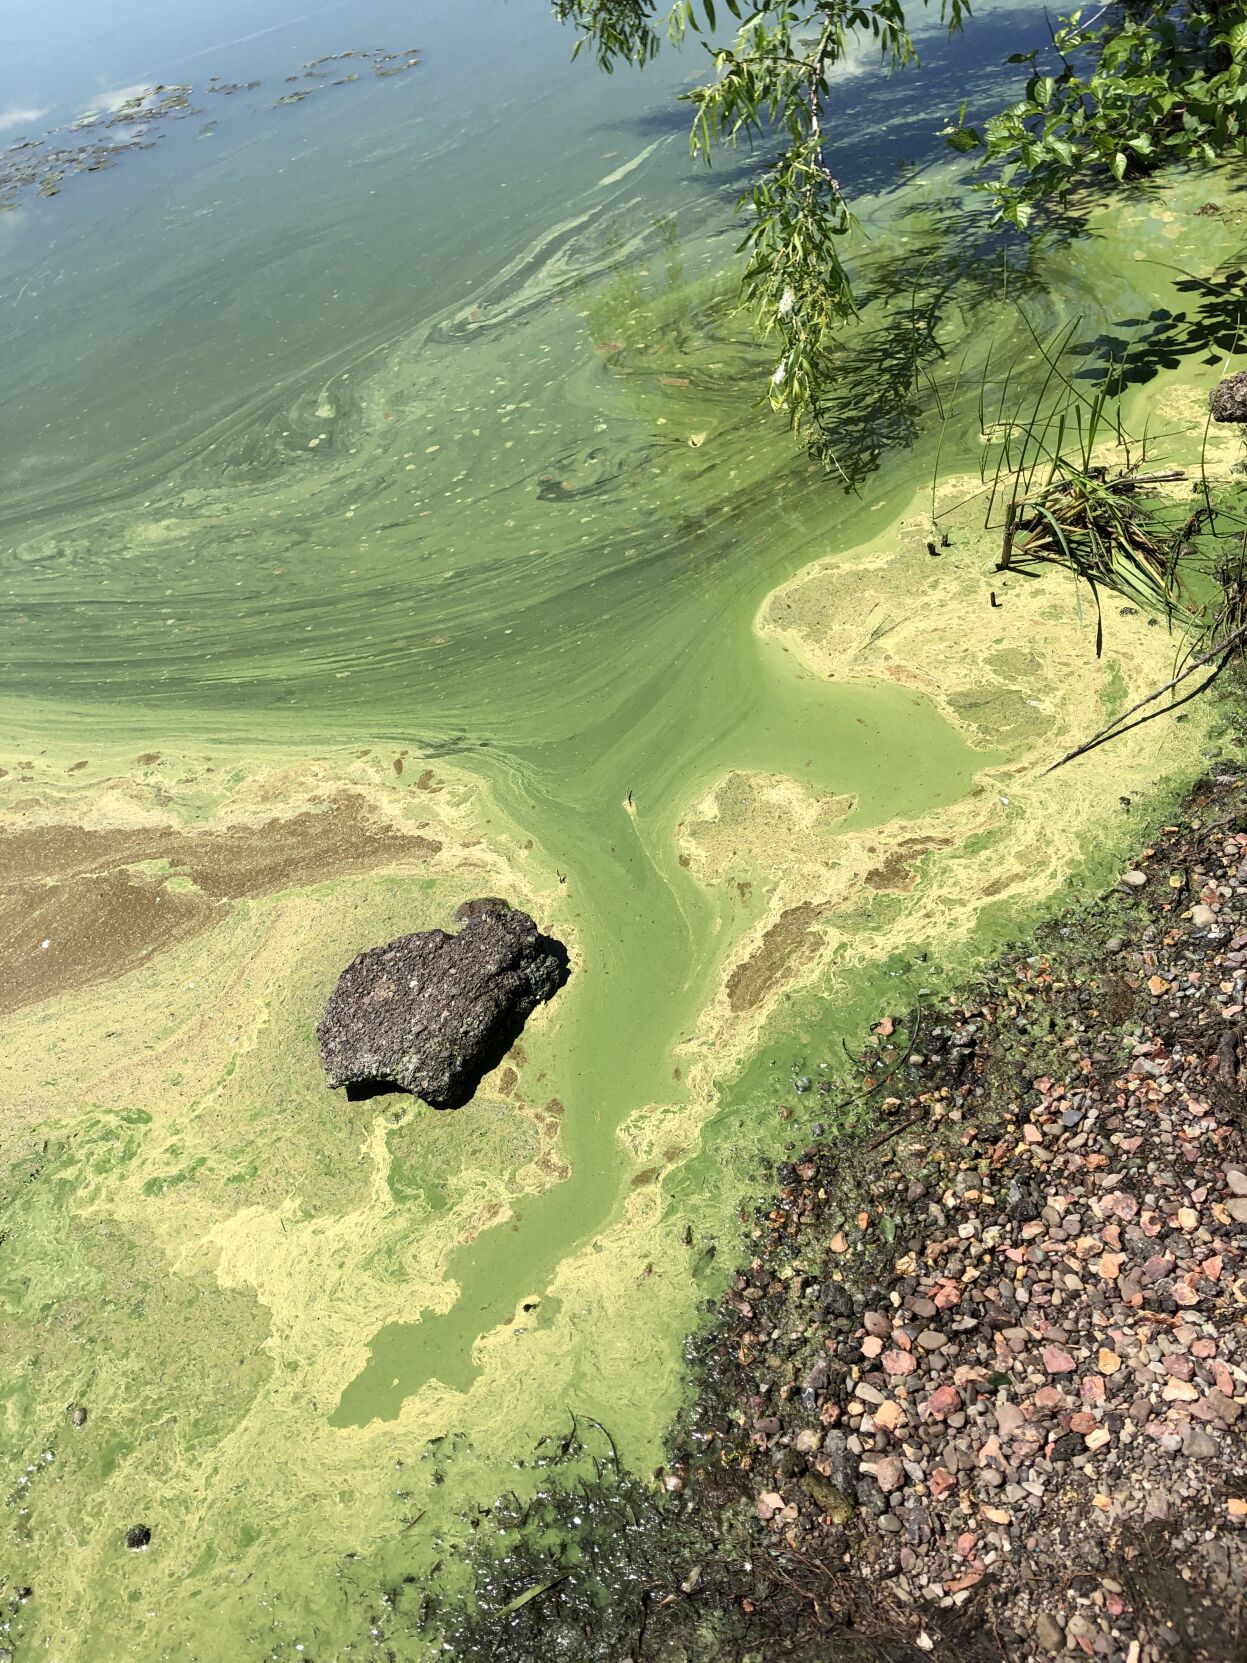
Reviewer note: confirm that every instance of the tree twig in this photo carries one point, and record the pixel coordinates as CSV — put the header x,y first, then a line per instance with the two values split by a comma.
x,y
1121,724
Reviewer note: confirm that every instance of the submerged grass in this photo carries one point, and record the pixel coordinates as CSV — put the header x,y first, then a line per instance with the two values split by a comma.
x,y
599,1566
1071,487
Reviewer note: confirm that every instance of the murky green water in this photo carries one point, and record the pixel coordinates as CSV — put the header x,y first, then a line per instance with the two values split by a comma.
x,y
398,440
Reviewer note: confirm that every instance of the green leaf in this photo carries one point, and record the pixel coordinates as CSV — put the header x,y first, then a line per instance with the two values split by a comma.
x,y
530,1594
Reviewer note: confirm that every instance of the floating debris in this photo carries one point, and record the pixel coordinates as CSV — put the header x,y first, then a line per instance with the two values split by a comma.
x,y
43,166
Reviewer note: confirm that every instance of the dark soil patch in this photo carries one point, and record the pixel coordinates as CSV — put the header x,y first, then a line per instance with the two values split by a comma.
x,y
789,939
77,889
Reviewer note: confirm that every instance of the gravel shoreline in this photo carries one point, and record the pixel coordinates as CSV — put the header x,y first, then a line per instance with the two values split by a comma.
x,y
993,1365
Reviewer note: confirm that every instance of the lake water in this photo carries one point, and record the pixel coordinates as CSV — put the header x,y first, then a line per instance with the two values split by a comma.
x,y
386,518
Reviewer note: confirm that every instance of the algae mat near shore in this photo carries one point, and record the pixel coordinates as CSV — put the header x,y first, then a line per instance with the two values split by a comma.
x,y
506,591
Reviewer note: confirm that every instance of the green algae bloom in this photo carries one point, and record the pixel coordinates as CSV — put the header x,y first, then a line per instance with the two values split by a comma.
x,y
360,588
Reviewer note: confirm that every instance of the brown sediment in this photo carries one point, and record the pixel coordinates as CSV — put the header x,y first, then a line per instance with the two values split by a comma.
x,y
792,936
74,887
998,886
96,925
546,1164
487,1215
644,1177
506,1081
897,871
231,863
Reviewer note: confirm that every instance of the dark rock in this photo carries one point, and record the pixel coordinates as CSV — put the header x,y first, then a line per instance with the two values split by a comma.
x,y
480,907
1228,399
837,1300
791,1464
432,1013
842,1462
1024,1201
78,1415
138,1536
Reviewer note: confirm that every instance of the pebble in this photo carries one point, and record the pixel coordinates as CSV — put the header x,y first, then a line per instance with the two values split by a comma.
x,y
1049,1633
889,1473
1009,1419
1198,1445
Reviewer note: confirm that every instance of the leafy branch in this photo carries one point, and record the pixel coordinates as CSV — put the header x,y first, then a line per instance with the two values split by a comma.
x,y
770,88
1126,90
1114,93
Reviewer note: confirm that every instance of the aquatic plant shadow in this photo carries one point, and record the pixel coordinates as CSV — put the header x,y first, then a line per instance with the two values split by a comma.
x,y
883,375
875,124
1210,328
